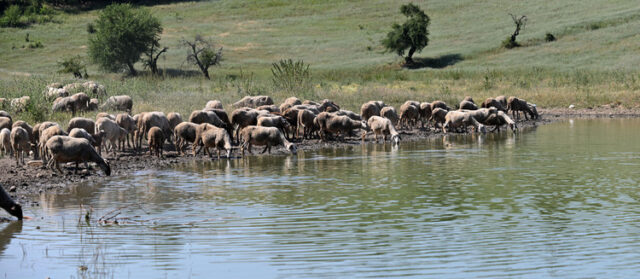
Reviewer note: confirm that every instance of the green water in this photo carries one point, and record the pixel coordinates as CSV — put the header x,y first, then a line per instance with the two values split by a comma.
x,y
559,200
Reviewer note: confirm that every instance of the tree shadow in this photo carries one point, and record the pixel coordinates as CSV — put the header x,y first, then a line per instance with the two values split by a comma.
x,y
89,5
440,62
176,73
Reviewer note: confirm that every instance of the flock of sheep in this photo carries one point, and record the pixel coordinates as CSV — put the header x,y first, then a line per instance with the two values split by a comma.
x,y
255,120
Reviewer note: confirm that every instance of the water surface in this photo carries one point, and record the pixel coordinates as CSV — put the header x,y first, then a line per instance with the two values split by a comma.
x,y
559,200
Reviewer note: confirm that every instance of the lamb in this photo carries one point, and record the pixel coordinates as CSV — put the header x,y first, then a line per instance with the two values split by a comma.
x,y
174,119
19,143
371,108
438,116
409,115
516,105
112,133
5,141
20,104
214,104
468,105
218,138
425,113
390,113
183,133
439,104
155,138
341,125
127,123
274,121
382,126
305,120
460,119
121,103
5,122
268,136
500,119
67,149
253,101
150,119
9,205
491,102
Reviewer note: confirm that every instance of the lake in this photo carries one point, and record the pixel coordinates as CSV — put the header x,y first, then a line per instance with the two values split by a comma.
x,y
558,200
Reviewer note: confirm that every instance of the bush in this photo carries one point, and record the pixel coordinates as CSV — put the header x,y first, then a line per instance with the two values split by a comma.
x,y
292,77
91,28
549,37
36,44
11,17
508,43
72,65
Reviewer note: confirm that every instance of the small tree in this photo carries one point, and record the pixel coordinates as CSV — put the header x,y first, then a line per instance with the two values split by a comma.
x,y
412,34
123,34
152,55
520,22
72,65
292,77
202,53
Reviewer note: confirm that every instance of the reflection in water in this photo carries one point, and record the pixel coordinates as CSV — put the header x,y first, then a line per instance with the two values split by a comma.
x,y
552,201
7,233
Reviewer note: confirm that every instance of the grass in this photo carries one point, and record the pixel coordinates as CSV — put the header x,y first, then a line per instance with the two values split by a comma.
x,y
594,61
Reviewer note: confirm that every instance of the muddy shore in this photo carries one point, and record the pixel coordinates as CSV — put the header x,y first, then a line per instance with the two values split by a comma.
x,y
25,183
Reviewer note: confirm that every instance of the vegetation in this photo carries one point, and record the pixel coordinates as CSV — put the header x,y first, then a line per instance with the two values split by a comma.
x,y
123,34
73,65
292,77
412,34
24,13
520,22
203,53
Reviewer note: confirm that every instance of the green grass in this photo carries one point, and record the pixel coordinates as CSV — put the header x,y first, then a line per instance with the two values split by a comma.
x,y
595,60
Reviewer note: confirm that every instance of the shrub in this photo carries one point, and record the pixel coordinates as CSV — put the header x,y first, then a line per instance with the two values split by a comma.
x,y
549,37
91,28
508,43
292,77
72,65
11,17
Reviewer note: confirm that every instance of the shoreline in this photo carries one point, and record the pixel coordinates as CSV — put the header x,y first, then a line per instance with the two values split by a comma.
x,y
25,183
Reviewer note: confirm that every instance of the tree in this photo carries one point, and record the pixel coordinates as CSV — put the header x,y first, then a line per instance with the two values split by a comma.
x,y
72,65
520,22
202,53
151,57
412,34
123,34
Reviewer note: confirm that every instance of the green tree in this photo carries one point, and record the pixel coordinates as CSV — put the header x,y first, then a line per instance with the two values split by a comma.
x,y
203,53
123,34
412,34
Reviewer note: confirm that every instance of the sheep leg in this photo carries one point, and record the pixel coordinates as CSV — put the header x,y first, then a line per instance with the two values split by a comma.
x,y
76,170
265,149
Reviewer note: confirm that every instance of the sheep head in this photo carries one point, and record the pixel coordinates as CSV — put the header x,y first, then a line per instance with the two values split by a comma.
x,y
291,147
15,210
482,129
395,140
105,167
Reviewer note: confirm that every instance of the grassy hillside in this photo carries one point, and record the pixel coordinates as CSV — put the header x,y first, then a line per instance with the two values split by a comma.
x,y
596,59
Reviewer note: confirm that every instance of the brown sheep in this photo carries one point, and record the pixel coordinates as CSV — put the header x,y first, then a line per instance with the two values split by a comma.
x,y
155,139
5,122
439,104
222,114
269,108
469,99
482,114
341,125
82,134
174,119
183,133
425,113
305,121
152,119
64,104
127,123
382,126
328,106
274,121
81,101
81,122
349,114
369,109
5,141
292,101
409,115
461,119
112,133
67,149
516,105
491,102
214,104
438,116
45,135
253,101
502,100
33,140
200,130
121,103
268,136
244,117
390,113
5,114
218,138
19,143
499,119
106,115
200,116
468,105
93,104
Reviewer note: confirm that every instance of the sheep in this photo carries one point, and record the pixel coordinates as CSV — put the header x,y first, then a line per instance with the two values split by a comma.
x,y
64,104
200,130
328,106
269,108
200,116
121,103
155,139
341,125
253,101
305,120
19,143
214,104
482,114
499,119
5,122
409,115
349,114
218,138
438,116
127,123
382,126
94,88
502,100
371,108
106,115
81,101
20,104
268,136
45,134
82,134
112,133
73,87
425,113
468,99
460,119
183,133
37,131
67,149
491,102
222,114
29,129
52,93
292,101
312,108
9,205
150,119
5,141
390,113
468,105
82,122
174,119
243,117
516,105
93,104
439,104
5,114
274,121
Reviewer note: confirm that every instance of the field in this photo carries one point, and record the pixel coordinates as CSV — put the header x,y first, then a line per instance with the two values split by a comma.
x,y
594,61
